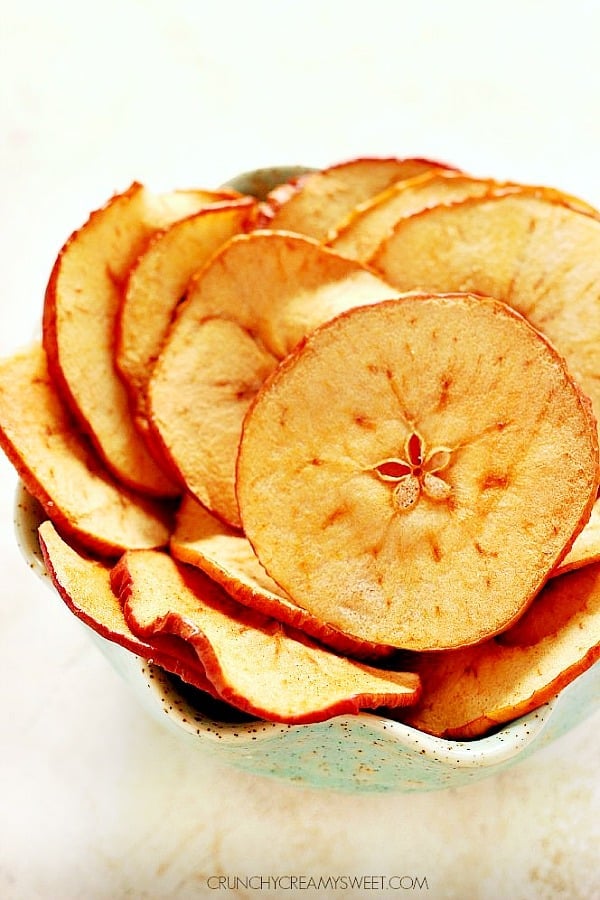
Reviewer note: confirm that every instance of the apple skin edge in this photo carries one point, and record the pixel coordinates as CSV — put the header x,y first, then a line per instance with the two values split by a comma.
x,y
85,587
260,666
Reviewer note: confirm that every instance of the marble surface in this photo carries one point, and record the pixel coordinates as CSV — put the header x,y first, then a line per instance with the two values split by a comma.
x,y
97,800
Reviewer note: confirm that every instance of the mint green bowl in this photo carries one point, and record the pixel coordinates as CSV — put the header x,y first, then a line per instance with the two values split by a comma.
x,y
362,753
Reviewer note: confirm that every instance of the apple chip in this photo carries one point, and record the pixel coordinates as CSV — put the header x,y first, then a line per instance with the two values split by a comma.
x,y
60,469
316,202
416,469
537,254
586,546
85,586
370,223
253,661
228,558
80,311
468,691
157,282
252,303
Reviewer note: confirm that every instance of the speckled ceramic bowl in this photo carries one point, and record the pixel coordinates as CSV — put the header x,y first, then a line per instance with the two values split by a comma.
x,y
359,753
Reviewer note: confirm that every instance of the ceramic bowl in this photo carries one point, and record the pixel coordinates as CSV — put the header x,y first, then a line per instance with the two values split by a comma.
x,y
362,753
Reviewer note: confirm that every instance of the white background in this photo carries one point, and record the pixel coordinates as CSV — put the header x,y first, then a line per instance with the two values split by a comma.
x,y
96,801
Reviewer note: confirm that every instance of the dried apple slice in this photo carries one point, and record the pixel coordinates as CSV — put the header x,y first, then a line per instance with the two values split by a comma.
x,y
316,202
197,407
370,223
157,282
258,296
80,310
85,586
415,470
60,469
466,692
228,558
586,546
253,661
539,255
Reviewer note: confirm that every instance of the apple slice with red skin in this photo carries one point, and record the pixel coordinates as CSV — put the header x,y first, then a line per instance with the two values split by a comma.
x,y
316,202
467,692
531,249
254,662
227,557
414,471
360,234
156,284
85,586
244,311
80,311
59,467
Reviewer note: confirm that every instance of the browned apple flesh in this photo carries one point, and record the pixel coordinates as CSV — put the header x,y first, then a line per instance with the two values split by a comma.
x,y
255,300
85,586
468,691
537,254
59,467
253,661
416,469
80,311
321,199
227,557
156,284
369,224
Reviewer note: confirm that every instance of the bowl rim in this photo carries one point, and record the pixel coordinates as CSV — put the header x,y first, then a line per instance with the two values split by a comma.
x,y
484,752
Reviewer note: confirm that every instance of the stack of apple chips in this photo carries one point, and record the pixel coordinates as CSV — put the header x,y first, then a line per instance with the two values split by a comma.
x,y
331,450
